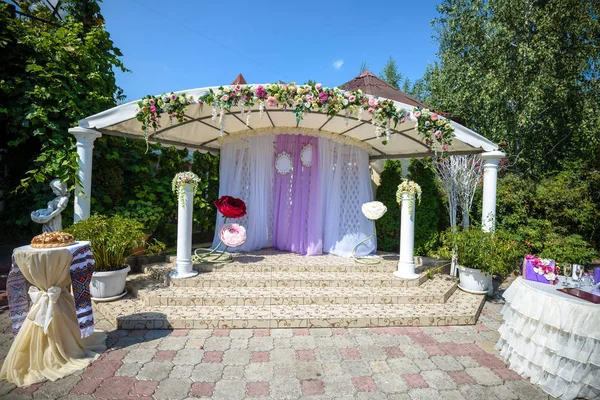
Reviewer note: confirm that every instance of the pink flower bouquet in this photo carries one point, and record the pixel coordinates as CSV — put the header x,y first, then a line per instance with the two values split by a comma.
x,y
233,235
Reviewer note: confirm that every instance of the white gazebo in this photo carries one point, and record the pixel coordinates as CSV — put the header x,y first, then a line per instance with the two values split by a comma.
x,y
201,131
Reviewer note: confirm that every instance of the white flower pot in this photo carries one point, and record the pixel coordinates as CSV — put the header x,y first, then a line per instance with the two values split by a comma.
x,y
473,280
109,285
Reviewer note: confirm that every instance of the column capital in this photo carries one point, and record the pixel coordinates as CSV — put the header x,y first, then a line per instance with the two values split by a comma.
x,y
84,136
492,156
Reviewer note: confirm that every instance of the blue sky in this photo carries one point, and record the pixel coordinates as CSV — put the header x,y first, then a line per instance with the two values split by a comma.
x,y
183,44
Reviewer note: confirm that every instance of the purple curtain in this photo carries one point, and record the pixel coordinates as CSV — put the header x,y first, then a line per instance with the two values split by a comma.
x,y
297,210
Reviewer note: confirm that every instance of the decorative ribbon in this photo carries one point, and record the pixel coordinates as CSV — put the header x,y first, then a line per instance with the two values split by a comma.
x,y
43,305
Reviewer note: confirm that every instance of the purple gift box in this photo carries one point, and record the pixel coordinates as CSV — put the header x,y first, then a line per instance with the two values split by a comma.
x,y
529,273
596,275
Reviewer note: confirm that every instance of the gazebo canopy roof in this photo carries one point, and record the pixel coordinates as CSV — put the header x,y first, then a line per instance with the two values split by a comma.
x,y
200,132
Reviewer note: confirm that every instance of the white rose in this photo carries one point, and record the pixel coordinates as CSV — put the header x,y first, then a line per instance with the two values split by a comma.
x,y
374,210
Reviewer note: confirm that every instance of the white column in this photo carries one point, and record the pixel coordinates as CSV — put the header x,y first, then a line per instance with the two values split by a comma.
x,y
490,180
405,163
406,265
183,263
83,190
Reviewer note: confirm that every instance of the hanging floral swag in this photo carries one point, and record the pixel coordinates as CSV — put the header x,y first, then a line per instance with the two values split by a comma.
x,y
413,189
151,109
182,179
301,99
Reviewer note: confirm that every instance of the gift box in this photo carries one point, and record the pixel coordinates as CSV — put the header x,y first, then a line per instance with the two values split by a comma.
x,y
539,270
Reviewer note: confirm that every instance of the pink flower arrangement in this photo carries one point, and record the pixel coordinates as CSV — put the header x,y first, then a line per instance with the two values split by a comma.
x,y
272,101
224,97
373,102
543,266
318,86
233,235
323,96
434,116
261,92
238,87
352,98
417,114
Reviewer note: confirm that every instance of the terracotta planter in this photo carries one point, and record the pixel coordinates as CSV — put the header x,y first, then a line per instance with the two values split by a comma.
x,y
109,285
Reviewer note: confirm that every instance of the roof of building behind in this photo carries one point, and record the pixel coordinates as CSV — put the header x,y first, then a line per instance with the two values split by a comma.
x,y
240,80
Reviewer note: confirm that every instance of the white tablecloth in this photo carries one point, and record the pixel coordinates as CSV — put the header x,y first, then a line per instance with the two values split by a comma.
x,y
552,338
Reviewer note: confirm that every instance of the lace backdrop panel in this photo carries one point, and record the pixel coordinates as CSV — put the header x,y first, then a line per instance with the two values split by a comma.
x,y
246,171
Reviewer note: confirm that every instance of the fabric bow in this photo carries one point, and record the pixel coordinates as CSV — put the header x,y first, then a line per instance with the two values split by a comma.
x,y
43,305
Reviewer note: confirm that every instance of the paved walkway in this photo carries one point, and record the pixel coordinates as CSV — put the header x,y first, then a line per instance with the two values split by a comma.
x,y
379,363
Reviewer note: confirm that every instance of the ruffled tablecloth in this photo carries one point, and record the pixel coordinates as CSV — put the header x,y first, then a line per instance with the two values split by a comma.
x,y
552,338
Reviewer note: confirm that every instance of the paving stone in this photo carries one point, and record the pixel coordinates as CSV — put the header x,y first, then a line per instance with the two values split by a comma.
x,y
240,343
424,364
399,396
414,381
258,372
164,356
143,388
350,353
233,372
241,333
116,387
364,340
188,357
303,343
217,343
139,356
488,361
181,372
86,386
356,367
195,343
56,389
305,355
203,333
283,356
484,376
390,383
202,389
155,371
282,333
506,374
323,341
207,372
102,369
364,384
424,394
172,343
451,395
309,370
379,367
403,365
257,389
260,357
413,351
5,387
438,380
461,378
477,392
282,343
447,363
221,332
286,388
372,353
503,393
129,370
261,343
335,385
467,361
524,390
172,389
328,354
237,357
344,341
212,357
312,386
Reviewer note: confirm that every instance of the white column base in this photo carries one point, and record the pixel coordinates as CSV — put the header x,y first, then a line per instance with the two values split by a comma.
x,y
406,271
183,269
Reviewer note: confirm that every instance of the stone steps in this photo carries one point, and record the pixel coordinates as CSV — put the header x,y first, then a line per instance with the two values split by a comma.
x,y
437,290
460,309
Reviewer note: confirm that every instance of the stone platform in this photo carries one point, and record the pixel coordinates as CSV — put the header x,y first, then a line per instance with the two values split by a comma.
x,y
272,289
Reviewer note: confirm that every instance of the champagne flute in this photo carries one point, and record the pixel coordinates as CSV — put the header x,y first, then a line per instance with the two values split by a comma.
x,y
580,271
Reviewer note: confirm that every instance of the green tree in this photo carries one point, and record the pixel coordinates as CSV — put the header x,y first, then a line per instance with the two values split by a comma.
x,y
390,73
524,74
53,74
363,66
388,226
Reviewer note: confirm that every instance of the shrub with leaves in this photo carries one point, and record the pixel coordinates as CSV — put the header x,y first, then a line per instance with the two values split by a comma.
x,y
388,226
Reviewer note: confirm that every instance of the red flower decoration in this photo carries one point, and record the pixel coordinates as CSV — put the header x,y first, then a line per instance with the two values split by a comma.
x,y
231,207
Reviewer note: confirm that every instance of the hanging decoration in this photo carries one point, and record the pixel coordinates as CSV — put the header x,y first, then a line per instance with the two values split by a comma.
x,y
372,210
411,188
283,163
436,131
306,155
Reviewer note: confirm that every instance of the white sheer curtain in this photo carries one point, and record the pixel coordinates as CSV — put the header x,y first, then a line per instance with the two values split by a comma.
x,y
246,172
346,185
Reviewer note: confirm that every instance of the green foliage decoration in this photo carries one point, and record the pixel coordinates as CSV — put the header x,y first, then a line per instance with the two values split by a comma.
x,y
388,226
112,239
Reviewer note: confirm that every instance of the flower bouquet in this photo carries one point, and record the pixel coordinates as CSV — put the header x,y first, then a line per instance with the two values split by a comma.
x,y
232,235
540,270
372,210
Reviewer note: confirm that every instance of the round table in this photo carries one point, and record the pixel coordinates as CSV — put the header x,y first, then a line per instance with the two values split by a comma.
x,y
552,338
54,339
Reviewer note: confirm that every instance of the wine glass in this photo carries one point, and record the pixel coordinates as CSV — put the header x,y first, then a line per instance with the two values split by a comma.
x,y
567,272
580,271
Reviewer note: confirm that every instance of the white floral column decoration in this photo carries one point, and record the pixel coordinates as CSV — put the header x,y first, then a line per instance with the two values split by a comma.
x,y
407,192
372,210
185,185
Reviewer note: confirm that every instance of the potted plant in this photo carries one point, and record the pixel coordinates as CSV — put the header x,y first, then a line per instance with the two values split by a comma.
x,y
149,214
112,240
482,254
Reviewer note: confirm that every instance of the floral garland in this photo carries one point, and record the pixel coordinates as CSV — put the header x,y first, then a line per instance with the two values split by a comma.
x,y
436,132
413,189
434,129
182,179
151,109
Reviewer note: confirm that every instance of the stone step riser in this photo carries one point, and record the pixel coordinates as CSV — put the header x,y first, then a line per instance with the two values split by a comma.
x,y
227,283
293,268
168,301
168,323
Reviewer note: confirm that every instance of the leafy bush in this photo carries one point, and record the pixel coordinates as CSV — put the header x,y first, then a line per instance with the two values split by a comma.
x,y
388,226
149,214
571,249
112,239
496,253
